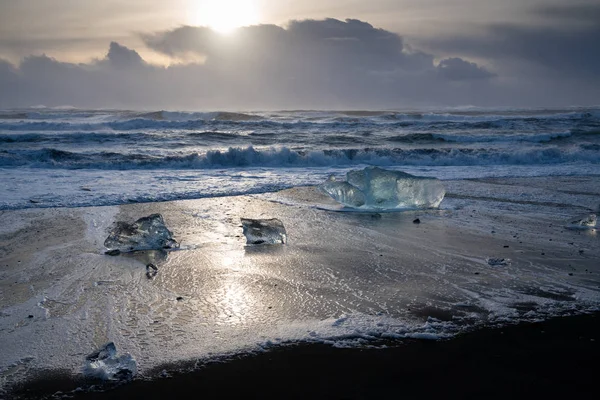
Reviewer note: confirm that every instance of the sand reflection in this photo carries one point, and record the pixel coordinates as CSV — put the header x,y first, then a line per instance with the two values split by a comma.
x,y
236,298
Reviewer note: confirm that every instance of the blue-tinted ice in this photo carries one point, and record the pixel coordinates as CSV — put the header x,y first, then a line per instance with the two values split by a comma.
x,y
146,233
377,188
105,364
344,192
264,231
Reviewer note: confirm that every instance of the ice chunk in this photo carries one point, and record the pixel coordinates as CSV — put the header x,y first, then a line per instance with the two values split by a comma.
x,y
151,270
343,192
105,364
498,262
589,221
264,231
377,188
144,234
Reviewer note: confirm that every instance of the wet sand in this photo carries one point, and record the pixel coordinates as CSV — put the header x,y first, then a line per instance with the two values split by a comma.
x,y
550,359
342,277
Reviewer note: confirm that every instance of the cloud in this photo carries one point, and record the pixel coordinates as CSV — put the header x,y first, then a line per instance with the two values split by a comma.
x,y
121,57
6,69
562,47
457,69
577,14
8,79
324,43
308,64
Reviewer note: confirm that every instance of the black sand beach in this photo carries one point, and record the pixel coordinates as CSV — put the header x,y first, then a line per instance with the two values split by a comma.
x,y
369,277
554,358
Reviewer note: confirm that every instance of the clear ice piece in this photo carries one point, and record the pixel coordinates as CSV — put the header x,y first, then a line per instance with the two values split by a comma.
x,y
105,364
343,192
378,188
146,233
264,231
588,222
498,262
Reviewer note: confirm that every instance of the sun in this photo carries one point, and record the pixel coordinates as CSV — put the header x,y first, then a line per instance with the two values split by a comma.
x,y
222,15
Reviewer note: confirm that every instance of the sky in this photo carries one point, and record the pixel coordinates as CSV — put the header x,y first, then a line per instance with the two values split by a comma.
x,y
310,54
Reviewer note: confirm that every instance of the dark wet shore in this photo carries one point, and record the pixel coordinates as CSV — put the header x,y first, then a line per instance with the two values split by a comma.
x,y
554,358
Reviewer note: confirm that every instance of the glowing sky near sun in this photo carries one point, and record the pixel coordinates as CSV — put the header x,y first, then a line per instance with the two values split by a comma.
x,y
511,50
79,31
223,15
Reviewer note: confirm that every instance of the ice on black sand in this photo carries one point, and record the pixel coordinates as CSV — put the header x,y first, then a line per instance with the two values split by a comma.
x,y
498,262
378,188
587,222
146,233
264,231
151,270
107,365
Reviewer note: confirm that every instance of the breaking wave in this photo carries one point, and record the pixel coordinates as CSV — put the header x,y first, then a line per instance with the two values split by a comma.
x,y
285,157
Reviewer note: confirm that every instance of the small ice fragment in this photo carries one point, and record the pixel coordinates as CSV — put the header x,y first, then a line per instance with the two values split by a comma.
x,y
151,270
264,231
146,233
498,262
589,221
105,364
104,352
378,188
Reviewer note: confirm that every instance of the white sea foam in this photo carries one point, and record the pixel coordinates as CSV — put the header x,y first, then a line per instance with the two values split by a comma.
x,y
286,157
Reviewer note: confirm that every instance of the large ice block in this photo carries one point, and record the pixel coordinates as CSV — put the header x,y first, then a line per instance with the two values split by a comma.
x,y
377,188
264,231
105,364
146,233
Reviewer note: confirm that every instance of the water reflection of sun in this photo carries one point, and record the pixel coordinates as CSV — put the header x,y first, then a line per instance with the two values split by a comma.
x,y
235,300
222,15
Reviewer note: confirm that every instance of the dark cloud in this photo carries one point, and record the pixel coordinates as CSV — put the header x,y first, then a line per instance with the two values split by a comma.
x,y
566,46
121,57
457,69
324,43
183,40
310,64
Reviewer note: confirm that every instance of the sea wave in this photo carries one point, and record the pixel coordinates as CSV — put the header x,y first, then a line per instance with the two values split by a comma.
x,y
236,157
74,137
163,120
478,138
206,116
271,137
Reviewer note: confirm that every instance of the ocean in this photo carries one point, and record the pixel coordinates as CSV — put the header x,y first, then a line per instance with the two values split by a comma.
x,y
504,246
47,156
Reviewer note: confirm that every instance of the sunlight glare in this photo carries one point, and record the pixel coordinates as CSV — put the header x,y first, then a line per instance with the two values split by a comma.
x,y
222,15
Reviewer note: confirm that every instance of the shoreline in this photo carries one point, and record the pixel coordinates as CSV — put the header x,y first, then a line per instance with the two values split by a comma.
x,y
523,360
